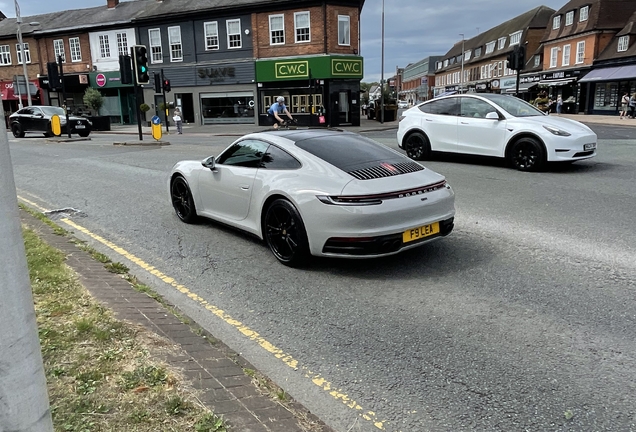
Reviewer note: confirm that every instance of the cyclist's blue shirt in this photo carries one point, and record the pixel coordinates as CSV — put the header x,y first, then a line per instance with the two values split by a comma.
x,y
280,109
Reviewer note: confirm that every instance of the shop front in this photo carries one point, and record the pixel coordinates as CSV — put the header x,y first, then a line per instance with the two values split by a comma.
x,y
119,99
318,91
606,86
12,94
565,84
75,86
528,87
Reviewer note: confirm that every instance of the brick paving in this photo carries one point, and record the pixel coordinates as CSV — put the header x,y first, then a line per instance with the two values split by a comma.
x,y
212,367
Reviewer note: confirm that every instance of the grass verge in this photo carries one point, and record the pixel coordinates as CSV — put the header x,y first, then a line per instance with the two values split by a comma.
x,y
102,373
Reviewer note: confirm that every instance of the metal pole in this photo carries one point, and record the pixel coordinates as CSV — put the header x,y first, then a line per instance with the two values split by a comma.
x,y
18,21
165,103
68,125
382,69
461,79
24,402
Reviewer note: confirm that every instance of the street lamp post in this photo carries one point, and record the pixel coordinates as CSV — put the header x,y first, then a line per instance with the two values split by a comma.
x,y
461,80
382,72
18,20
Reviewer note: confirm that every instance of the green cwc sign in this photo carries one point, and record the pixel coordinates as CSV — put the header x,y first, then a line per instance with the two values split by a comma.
x,y
323,67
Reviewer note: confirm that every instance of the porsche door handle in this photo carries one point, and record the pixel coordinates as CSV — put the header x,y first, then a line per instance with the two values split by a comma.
x,y
464,123
245,187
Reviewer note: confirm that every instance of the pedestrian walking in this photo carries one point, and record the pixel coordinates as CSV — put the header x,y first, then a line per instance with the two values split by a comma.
x,y
559,105
178,121
632,105
624,105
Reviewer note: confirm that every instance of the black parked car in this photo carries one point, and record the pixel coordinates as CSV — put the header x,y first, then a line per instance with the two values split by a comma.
x,y
37,118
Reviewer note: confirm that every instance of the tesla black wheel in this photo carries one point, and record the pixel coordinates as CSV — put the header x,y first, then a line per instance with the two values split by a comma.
x,y
417,146
17,131
526,155
285,233
182,200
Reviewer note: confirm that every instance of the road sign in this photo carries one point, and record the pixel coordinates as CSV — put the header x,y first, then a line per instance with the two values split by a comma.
x,y
155,120
156,127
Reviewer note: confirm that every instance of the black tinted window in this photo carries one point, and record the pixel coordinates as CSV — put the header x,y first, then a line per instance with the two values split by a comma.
x,y
448,106
276,158
247,153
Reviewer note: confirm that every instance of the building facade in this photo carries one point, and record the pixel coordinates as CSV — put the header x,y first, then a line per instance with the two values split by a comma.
x,y
418,80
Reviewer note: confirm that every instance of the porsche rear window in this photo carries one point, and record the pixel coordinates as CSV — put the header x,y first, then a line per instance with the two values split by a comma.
x,y
348,152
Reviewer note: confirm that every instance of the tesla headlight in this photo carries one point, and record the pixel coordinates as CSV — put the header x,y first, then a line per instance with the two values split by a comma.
x,y
557,131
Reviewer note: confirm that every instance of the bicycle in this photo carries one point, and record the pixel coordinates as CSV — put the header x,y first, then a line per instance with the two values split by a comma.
x,y
288,124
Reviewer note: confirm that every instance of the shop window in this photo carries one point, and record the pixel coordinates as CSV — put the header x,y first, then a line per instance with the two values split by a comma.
x,y
154,35
606,96
237,107
5,55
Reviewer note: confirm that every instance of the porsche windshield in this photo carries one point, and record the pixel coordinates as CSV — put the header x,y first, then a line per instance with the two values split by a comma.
x,y
513,105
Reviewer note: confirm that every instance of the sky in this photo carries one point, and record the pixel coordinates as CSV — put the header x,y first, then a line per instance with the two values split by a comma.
x,y
413,29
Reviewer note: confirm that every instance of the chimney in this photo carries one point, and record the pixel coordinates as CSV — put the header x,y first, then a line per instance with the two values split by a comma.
x,y
112,3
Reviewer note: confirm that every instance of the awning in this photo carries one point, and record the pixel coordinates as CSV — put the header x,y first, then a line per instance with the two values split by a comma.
x,y
611,74
448,93
522,87
557,82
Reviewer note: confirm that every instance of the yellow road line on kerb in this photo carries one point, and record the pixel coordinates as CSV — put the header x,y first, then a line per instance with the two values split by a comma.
x,y
245,330
32,204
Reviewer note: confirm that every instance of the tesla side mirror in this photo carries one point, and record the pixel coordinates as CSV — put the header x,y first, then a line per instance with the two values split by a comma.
x,y
208,162
492,115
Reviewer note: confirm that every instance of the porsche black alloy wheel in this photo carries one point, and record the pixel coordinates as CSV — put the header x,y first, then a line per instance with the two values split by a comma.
x,y
526,155
182,200
417,146
285,233
17,131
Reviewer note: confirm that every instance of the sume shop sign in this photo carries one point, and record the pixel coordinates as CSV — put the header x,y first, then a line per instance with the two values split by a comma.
x,y
100,80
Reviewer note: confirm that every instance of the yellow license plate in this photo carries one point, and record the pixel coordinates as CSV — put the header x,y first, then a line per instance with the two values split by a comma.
x,y
420,232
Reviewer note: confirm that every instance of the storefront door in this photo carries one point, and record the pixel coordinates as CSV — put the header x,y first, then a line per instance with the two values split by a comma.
x,y
343,107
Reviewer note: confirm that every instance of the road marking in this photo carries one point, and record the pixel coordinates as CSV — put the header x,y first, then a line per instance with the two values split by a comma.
x,y
286,358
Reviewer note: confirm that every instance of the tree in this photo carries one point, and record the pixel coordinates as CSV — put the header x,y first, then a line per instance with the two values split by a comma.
x,y
93,99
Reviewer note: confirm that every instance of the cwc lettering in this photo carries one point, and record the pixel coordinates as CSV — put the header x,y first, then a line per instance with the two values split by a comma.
x,y
342,67
292,69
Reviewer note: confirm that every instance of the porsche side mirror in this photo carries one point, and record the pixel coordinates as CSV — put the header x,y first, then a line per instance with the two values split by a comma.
x,y
492,115
208,162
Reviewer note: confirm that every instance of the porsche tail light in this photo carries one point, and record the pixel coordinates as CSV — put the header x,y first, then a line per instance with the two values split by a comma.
x,y
376,199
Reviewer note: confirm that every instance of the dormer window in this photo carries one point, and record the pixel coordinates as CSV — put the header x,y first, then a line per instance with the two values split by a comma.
x,y
623,43
477,52
515,38
490,47
585,12
446,63
467,55
537,60
502,42
569,18
556,22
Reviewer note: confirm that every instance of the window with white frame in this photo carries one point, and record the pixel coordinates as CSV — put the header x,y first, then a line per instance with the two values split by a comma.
x,y
569,18
467,55
515,38
446,63
174,41
58,49
156,52
537,60
211,35
583,15
344,30
277,29
104,46
502,42
5,55
233,33
27,53
477,52
122,44
623,43
76,49
556,22
554,55
301,26
580,52
490,47
565,61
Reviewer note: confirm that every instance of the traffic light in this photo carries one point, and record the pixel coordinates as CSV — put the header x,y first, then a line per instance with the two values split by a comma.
x,y
54,76
125,69
157,82
140,60
517,58
166,85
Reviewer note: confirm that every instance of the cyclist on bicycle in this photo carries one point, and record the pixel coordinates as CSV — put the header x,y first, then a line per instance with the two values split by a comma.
x,y
277,108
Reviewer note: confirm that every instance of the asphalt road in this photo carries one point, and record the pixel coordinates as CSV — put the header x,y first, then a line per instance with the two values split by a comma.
x,y
522,319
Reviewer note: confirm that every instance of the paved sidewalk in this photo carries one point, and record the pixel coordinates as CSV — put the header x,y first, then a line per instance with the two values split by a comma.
x,y
365,126
212,367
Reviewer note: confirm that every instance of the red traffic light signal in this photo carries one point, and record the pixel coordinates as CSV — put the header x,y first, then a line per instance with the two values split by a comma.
x,y
166,85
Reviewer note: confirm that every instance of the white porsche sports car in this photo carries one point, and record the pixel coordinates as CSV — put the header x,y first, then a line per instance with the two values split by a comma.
x,y
494,125
316,192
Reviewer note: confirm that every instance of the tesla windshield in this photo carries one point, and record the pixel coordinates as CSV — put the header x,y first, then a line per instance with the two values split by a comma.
x,y
513,105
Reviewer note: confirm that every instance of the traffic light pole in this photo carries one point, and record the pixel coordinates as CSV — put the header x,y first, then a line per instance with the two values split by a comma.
x,y
68,126
137,104
165,103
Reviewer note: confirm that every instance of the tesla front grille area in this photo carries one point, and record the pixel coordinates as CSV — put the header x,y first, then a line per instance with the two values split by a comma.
x,y
367,246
